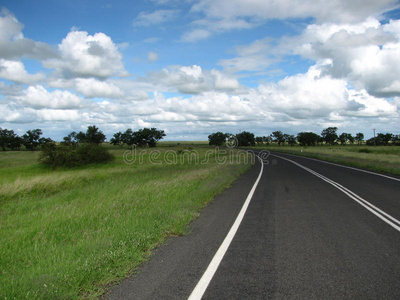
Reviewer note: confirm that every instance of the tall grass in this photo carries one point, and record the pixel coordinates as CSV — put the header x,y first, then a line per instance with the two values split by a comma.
x,y
66,234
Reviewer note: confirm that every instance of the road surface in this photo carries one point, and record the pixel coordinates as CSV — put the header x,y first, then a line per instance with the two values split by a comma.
x,y
312,230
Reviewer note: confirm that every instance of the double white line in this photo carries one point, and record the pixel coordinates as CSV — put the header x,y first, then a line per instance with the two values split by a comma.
x,y
372,208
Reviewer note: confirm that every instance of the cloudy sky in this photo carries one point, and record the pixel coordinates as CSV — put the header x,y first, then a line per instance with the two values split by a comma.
x,y
193,67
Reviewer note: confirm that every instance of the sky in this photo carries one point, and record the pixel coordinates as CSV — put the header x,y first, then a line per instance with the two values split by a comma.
x,y
194,67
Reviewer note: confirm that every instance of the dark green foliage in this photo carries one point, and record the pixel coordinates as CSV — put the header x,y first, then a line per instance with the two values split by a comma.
x,y
245,139
217,139
10,140
308,138
364,150
381,139
290,139
359,138
329,135
31,139
141,138
278,137
117,139
73,155
345,137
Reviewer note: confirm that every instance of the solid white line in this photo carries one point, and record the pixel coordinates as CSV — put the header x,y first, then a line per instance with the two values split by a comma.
x,y
205,280
343,166
372,208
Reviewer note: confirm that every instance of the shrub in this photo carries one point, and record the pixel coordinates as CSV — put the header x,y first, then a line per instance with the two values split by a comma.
x,y
73,155
364,150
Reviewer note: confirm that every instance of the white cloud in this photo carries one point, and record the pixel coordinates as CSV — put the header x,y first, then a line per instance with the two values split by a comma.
x,y
13,44
365,54
38,97
155,18
93,88
195,35
152,57
84,55
15,71
225,15
193,80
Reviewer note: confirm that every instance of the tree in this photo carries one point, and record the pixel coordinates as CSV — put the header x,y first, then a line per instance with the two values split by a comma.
x,y
216,139
8,139
259,140
380,139
94,135
278,137
344,137
266,139
329,135
70,138
148,137
143,137
31,139
245,139
128,137
117,139
359,138
290,139
308,138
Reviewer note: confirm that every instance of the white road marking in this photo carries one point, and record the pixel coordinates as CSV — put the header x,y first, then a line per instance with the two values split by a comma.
x,y
205,280
347,167
372,208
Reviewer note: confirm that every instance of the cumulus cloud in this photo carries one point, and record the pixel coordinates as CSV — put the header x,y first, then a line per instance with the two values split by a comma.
x,y
155,18
15,71
38,97
366,54
14,45
193,79
223,15
84,55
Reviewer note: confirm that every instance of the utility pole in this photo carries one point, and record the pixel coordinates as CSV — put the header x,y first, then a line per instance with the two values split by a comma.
x,y
374,137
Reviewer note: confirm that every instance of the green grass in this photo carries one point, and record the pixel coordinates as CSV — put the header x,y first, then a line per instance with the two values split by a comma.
x,y
67,234
384,159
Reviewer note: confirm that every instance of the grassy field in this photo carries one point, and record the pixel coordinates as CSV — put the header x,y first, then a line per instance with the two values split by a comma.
x,y
67,234
384,159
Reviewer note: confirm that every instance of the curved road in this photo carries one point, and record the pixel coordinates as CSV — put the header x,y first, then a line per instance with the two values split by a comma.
x,y
312,230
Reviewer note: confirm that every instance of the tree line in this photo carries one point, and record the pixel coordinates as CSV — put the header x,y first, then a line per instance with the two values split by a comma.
x,y
328,136
33,140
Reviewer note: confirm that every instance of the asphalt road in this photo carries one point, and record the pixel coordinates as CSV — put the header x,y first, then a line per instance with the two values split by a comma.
x,y
304,235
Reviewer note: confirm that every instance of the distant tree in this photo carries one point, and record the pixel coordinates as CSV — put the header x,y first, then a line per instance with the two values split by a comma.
x,y
396,140
70,138
266,139
245,139
217,139
259,140
148,137
94,135
31,139
278,137
359,138
117,139
290,139
308,138
380,139
345,137
329,135
8,139
80,137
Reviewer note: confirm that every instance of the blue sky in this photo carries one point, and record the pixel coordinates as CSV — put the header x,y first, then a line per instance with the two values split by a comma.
x,y
193,67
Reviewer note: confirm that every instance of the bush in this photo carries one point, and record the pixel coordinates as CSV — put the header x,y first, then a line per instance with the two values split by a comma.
x,y
364,150
73,155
